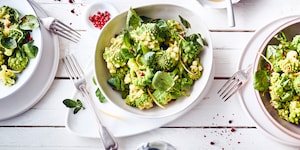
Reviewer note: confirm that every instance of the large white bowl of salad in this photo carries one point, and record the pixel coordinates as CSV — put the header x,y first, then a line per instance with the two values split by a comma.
x,y
277,77
20,45
154,61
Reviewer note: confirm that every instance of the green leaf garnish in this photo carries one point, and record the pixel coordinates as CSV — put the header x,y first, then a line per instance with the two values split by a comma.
x,y
75,104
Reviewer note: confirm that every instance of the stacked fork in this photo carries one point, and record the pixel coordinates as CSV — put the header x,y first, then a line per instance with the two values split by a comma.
x,y
54,25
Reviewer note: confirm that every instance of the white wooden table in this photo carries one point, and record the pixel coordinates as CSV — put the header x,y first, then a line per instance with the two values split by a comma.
x,y
208,126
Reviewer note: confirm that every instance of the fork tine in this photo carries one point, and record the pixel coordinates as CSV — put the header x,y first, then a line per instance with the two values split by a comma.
x,y
235,86
73,68
227,83
65,31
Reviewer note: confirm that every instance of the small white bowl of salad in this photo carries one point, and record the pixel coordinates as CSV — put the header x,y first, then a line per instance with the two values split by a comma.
x,y
20,46
276,77
154,61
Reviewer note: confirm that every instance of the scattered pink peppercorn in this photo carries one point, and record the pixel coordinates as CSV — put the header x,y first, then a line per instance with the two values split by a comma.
x,y
99,19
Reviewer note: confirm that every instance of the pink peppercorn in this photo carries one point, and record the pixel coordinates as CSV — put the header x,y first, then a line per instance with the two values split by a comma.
x,y
99,19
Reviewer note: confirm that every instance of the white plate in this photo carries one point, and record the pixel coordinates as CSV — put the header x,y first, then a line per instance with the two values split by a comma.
x,y
247,96
24,8
38,84
216,3
119,122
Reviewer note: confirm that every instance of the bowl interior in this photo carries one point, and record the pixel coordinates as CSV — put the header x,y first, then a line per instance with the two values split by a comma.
x,y
24,8
117,24
290,29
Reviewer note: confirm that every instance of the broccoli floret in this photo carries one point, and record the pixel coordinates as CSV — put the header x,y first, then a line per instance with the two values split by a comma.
x,y
114,55
7,76
139,98
18,62
294,109
290,64
195,69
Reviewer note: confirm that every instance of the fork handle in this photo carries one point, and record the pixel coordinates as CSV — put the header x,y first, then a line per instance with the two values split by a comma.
x,y
108,140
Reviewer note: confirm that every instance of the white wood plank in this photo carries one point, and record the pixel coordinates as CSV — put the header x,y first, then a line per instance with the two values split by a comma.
x,y
194,138
249,15
51,112
228,46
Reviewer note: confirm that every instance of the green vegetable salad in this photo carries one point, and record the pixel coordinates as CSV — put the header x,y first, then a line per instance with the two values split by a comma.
x,y
153,61
16,44
280,77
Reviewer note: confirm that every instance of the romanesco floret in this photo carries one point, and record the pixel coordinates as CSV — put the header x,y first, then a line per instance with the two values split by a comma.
x,y
290,64
138,98
139,76
294,109
296,85
195,69
162,97
145,36
280,89
7,76
191,46
167,60
18,62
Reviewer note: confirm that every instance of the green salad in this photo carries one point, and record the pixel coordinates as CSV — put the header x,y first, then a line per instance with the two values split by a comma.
x,y
16,44
153,61
279,76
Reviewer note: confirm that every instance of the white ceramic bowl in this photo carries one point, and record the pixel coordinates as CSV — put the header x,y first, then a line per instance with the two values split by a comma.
x,y
93,8
163,11
24,8
290,28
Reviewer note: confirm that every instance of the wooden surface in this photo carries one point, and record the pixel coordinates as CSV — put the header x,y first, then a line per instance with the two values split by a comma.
x,y
212,124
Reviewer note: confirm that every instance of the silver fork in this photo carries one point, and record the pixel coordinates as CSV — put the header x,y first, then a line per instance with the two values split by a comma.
x,y
77,76
54,25
235,82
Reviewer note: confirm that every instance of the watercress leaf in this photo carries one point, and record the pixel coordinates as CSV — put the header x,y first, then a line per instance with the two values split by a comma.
x,y
29,22
184,22
126,39
70,103
30,49
261,80
9,43
79,103
133,19
126,53
76,110
162,81
114,82
149,57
